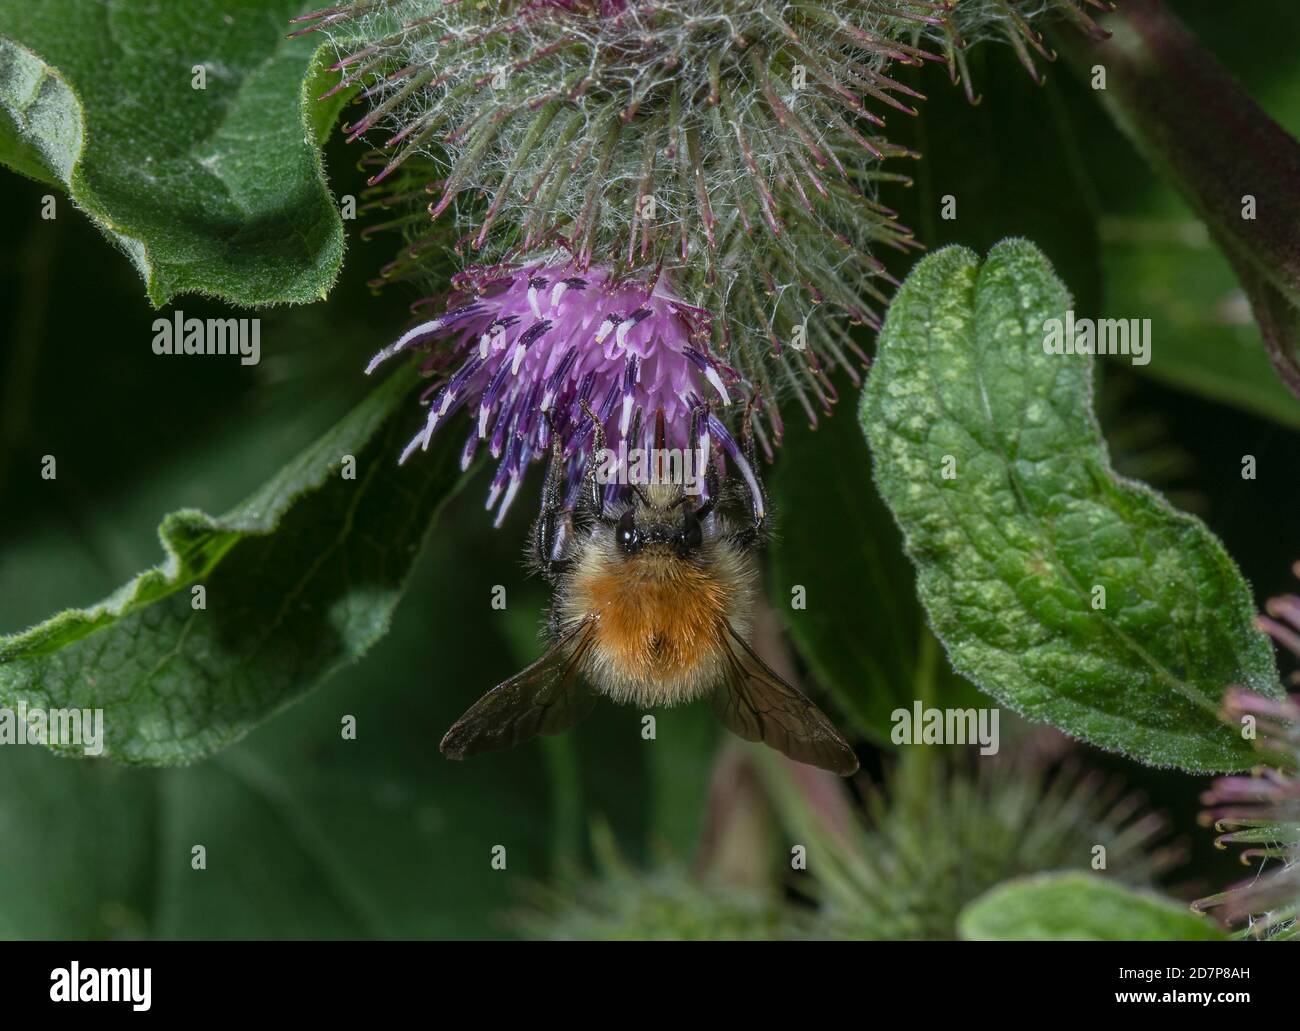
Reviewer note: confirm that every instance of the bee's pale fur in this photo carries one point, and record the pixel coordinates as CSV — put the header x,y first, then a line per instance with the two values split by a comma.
x,y
660,638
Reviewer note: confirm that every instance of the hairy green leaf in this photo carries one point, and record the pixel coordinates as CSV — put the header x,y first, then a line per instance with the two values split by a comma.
x,y
298,580
1073,596
1079,907
224,194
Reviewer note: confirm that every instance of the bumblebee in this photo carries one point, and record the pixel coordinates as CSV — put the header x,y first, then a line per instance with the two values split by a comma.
x,y
652,606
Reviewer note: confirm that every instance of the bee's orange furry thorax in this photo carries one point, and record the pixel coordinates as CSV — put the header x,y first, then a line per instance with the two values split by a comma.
x,y
659,616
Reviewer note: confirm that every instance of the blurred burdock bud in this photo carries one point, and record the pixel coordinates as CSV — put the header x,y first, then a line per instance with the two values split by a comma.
x,y
620,902
925,852
938,834
720,156
1262,810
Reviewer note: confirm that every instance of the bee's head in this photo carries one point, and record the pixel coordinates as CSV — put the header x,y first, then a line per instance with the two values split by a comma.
x,y
660,518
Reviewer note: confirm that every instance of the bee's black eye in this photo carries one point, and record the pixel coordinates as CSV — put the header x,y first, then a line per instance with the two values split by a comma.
x,y
691,536
628,538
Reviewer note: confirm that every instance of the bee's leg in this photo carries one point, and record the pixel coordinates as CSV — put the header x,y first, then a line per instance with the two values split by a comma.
x,y
549,521
714,487
712,482
591,499
554,625
756,533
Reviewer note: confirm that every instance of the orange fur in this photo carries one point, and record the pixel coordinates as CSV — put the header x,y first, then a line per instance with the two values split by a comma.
x,y
658,634
658,615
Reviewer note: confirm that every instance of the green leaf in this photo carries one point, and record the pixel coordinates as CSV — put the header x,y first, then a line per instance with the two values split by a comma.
x,y
860,628
299,579
225,193
1079,907
1010,548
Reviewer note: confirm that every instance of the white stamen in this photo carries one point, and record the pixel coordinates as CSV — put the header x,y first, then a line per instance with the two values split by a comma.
x,y
410,448
511,491
604,329
558,291
755,491
626,420
517,360
711,374
532,302
424,327
428,430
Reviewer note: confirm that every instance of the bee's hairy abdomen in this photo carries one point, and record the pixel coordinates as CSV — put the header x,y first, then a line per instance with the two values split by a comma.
x,y
661,618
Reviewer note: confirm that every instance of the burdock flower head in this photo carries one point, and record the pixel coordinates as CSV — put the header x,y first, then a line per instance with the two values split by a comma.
x,y
535,347
1262,810
694,181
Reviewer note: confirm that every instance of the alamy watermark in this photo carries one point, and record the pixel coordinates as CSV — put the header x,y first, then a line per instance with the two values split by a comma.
x,y
74,983
922,726
71,728
1130,337
179,335
641,466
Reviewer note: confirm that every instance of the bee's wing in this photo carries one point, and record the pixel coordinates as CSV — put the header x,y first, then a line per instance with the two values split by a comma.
x,y
545,698
754,702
